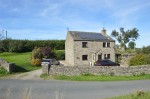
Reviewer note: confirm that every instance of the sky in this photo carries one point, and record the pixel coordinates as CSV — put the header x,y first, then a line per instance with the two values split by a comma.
x,y
51,19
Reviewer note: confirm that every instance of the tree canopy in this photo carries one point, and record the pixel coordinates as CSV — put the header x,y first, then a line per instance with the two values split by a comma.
x,y
125,37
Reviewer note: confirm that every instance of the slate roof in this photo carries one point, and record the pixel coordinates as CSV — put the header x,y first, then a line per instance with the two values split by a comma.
x,y
89,36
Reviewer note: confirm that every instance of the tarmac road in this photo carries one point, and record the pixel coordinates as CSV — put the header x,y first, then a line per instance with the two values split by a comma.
x,y
40,89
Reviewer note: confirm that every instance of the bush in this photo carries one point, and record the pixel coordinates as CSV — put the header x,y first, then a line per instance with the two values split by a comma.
x,y
146,50
59,54
36,57
36,62
46,51
3,71
139,59
37,53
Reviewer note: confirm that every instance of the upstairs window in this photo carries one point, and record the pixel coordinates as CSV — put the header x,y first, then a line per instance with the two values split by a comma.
x,y
106,44
84,44
84,57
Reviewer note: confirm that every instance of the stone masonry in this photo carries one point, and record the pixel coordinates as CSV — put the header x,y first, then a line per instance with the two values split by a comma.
x,y
98,70
10,67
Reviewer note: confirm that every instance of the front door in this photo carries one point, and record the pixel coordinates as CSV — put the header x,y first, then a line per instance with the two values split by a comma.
x,y
99,57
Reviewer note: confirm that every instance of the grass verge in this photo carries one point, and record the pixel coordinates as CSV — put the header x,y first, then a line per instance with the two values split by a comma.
x,y
22,61
137,95
3,72
96,77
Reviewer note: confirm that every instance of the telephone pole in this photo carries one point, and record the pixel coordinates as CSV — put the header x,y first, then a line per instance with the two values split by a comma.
x,y
6,34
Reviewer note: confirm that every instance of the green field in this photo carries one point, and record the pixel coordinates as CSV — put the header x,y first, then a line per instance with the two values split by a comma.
x,y
137,95
22,61
97,77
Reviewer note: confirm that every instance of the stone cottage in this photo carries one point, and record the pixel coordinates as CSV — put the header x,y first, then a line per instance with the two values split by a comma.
x,y
84,48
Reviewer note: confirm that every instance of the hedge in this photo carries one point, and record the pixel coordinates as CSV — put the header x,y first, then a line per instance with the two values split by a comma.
x,y
10,45
140,59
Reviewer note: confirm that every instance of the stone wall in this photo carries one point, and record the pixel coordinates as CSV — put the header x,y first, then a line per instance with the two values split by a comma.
x,y
10,67
97,70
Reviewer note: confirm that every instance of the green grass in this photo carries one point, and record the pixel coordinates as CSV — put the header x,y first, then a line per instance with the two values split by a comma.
x,y
22,61
137,95
44,75
99,78
3,72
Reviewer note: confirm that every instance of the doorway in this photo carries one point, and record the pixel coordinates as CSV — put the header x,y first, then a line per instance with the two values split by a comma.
x,y
99,57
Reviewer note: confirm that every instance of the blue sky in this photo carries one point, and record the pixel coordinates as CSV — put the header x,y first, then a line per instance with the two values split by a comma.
x,y
49,19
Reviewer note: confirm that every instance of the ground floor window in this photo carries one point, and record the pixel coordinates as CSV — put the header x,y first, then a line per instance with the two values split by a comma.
x,y
106,56
84,57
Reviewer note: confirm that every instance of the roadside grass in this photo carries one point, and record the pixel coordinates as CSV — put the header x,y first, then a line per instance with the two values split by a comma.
x,y
3,72
137,95
44,75
22,61
96,77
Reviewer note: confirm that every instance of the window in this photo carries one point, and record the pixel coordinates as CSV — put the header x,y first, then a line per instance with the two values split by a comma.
x,y
84,44
84,57
106,56
106,44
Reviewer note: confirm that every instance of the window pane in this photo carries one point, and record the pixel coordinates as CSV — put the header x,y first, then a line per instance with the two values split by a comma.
x,y
108,56
84,44
84,57
108,44
104,44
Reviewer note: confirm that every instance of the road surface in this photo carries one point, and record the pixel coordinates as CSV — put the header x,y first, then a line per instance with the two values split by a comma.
x,y
40,89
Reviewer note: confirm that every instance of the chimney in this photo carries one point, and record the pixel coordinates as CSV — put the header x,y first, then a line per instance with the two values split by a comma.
x,y
103,32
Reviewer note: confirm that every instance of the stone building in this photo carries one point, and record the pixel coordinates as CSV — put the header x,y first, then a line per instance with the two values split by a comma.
x,y
84,48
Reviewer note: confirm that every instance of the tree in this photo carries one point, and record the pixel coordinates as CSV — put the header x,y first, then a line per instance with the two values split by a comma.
x,y
131,45
125,37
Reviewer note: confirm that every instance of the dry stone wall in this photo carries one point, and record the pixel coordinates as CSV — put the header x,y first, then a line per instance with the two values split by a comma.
x,y
97,70
10,67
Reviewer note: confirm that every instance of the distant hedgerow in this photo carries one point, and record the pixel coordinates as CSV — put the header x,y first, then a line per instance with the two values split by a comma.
x,y
139,59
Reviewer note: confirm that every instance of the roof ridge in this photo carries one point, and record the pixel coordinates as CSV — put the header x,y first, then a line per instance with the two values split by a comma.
x,y
85,32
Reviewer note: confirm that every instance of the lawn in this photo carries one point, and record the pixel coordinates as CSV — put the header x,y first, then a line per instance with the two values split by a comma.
x,y
137,95
22,61
97,78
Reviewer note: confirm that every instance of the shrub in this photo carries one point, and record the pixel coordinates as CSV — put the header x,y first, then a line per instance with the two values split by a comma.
x,y
46,51
36,62
37,53
146,50
36,57
59,54
3,71
139,59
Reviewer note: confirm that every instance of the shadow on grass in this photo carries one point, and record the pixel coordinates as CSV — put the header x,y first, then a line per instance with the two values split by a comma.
x,y
19,69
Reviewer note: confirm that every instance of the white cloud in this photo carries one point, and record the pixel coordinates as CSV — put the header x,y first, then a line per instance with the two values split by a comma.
x,y
129,14
51,10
